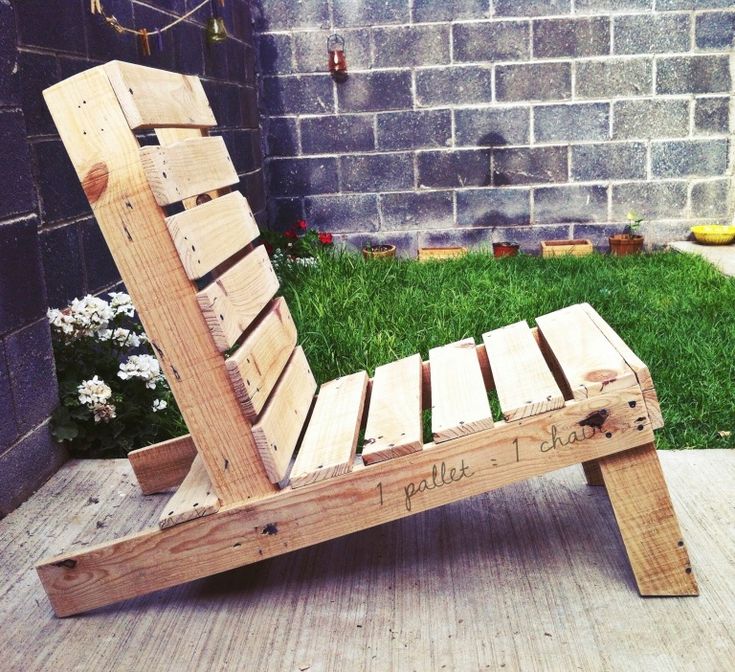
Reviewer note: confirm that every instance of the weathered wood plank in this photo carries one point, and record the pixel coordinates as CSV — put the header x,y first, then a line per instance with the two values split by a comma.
x,y
589,362
194,498
394,424
282,420
647,522
255,366
208,234
163,465
235,298
523,381
109,168
187,168
330,441
459,403
149,97
362,498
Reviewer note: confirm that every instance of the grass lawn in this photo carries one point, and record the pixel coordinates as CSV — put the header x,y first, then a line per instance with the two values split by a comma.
x,y
675,311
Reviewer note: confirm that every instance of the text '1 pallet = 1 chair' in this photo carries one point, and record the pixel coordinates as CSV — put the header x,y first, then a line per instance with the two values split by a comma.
x,y
571,391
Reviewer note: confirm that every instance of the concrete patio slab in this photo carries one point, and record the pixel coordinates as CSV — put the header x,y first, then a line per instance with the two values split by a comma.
x,y
722,256
530,577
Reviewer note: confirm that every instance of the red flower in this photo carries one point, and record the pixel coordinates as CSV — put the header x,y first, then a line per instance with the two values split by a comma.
x,y
301,224
290,234
325,238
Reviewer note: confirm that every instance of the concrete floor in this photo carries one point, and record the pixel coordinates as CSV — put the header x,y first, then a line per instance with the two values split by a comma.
x,y
722,256
530,577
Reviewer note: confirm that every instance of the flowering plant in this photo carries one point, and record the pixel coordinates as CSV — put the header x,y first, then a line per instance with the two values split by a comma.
x,y
114,397
297,242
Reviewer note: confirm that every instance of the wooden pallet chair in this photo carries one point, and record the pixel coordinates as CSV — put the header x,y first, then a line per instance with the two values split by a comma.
x,y
571,391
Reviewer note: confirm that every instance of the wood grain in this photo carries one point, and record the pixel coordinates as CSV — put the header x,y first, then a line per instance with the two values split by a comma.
x,y
194,498
163,465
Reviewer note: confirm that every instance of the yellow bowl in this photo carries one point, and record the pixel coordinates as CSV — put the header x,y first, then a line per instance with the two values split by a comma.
x,y
714,234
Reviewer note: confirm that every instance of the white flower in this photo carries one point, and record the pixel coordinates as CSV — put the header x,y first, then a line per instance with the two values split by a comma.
x,y
94,392
61,321
121,304
104,334
144,367
159,405
105,413
90,314
126,337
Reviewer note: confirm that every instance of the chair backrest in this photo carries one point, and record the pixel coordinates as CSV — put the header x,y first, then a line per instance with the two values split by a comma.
x,y
228,349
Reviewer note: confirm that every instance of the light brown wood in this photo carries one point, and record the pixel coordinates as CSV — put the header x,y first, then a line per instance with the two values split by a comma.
x,y
282,420
566,248
108,165
589,363
592,473
653,407
194,498
330,441
440,253
235,298
523,381
364,497
648,523
163,465
208,234
150,97
255,366
394,423
459,403
187,168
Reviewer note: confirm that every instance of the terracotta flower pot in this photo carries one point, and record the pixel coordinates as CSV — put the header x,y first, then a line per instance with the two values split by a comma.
x,y
621,244
505,249
379,252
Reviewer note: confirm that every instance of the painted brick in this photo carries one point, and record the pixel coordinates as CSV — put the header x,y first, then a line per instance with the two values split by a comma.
x,y
276,54
283,212
492,127
9,71
402,46
376,91
537,81
609,161
693,74
99,265
308,94
589,6
449,10
496,41
652,200
343,212
472,237
149,16
529,165
417,210
30,360
377,172
105,47
454,85
614,77
656,118
646,33
532,7
41,24
62,264
349,13
712,115
296,177
38,71
310,50
709,199
61,194
405,241
597,234
457,168
715,30
530,237
557,38
570,204
9,426
16,188
667,5
22,291
685,158
225,102
579,121
342,133
252,185
249,107
188,46
282,138
286,14
493,207
245,149
413,130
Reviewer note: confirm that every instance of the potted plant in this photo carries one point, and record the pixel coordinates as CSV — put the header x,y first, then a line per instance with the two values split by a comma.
x,y
505,249
628,242
383,251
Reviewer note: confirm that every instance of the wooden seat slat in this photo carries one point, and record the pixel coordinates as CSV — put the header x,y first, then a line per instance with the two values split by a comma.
x,y
394,416
279,426
194,498
588,361
523,381
234,299
187,168
330,441
459,403
208,234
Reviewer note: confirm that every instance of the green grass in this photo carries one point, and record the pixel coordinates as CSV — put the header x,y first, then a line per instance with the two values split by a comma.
x,y
674,310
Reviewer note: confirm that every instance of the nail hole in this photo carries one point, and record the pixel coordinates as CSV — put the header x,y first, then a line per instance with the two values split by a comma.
x,y
631,404
608,435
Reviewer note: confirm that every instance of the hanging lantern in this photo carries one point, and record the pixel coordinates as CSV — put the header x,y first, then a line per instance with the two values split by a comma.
x,y
216,31
337,60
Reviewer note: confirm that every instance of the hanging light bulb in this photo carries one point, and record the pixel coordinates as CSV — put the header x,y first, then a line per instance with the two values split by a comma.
x,y
216,31
337,60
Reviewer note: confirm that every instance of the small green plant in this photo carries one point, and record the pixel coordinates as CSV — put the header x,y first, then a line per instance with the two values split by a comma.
x,y
113,395
634,224
297,242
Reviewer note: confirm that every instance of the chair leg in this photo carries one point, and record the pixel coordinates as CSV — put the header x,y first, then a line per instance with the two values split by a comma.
x,y
647,521
592,473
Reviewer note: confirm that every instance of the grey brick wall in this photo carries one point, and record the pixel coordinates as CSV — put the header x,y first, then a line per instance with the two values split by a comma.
x,y
467,121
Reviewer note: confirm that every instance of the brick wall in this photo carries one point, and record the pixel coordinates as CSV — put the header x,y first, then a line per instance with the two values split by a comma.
x,y
467,121
51,249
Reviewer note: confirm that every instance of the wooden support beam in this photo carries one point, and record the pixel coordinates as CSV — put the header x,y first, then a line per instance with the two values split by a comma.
x,y
163,465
